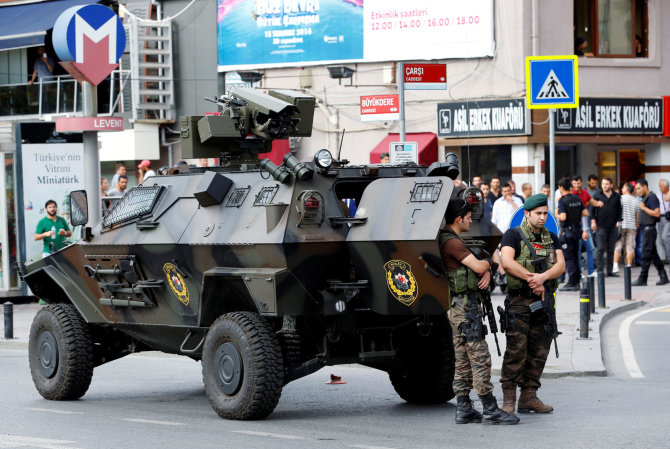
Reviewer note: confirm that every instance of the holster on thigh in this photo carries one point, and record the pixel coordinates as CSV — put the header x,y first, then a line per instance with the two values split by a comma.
x,y
472,328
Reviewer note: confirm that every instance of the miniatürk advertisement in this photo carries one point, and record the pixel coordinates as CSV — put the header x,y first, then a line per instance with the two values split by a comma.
x,y
50,172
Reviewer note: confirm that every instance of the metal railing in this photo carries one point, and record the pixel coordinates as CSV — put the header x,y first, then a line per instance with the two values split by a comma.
x,y
60,95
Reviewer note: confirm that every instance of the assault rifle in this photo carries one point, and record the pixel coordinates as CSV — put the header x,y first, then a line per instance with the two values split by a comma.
x,y
490,316
475,247
549,303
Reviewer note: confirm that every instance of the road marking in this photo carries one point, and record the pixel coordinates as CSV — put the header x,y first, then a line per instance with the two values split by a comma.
x,y
627,344
362,446
652,322
152,421
665,310
281,436
53,410
14,441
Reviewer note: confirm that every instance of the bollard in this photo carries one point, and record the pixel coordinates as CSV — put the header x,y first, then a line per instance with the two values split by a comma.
x,y
592,293
584,311
626,283
9,320
601,289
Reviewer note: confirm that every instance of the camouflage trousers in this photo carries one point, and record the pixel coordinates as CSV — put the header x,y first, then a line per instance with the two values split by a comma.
x,y
527,344
473,360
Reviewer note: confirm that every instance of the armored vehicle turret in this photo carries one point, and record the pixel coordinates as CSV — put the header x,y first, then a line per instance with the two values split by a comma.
x,y
263,273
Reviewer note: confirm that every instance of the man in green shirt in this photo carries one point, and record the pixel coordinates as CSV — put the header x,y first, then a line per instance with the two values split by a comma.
x,y
52,229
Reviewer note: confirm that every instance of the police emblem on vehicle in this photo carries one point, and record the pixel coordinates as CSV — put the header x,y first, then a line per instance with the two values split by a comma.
x,y
177,283
401,281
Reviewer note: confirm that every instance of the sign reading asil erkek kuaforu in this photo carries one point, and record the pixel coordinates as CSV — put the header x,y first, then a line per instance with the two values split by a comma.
x,y
89,40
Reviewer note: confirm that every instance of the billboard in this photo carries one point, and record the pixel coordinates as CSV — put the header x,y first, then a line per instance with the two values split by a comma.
x,y
283,33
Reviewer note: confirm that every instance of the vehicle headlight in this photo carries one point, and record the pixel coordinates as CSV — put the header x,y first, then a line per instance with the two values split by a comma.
x,y
323,159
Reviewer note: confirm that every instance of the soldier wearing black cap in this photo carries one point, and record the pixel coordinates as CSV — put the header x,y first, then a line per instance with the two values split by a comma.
x,y
528,341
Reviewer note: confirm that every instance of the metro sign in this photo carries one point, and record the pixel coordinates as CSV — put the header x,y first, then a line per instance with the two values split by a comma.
x,y
425,76
380,107
89,40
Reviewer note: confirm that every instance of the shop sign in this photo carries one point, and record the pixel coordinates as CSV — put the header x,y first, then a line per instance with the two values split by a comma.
x,y
612,116
484,118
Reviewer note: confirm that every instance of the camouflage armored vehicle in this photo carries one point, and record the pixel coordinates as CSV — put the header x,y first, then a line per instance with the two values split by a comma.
x,y
261,272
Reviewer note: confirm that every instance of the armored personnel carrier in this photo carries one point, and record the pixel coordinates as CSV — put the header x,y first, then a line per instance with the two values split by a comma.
x,y
261,272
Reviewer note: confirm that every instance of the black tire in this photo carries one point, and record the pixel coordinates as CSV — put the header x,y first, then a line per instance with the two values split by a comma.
x,y
426,375
242,366
60,352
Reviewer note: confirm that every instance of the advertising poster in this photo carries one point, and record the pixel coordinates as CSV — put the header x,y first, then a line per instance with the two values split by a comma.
x,y
254,33
50,171
280,33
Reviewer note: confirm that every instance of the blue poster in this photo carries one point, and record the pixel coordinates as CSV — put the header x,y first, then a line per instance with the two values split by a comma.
x,y
285,32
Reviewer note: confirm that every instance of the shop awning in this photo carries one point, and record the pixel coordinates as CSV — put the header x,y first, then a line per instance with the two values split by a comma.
x,y
427,147
26,25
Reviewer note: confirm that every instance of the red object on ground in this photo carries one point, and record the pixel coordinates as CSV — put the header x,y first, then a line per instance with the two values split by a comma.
x,y
335,380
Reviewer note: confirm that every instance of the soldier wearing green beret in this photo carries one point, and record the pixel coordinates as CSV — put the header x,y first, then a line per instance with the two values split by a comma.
x,y
528,341
466,275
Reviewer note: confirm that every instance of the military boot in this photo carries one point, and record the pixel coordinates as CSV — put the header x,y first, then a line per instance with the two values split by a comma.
x,y
465,412
509,397
494,415
664,279
529,402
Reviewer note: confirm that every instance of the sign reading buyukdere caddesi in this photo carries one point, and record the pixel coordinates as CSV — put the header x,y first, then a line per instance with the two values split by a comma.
x,y
380,108
425,76
70,124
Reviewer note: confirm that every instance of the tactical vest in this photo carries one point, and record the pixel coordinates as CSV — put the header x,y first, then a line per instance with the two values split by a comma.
x,y
542,249
644,219
463,279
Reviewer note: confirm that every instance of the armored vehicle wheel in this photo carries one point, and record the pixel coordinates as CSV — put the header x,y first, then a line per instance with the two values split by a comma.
x,y
427,373
60,351
242,366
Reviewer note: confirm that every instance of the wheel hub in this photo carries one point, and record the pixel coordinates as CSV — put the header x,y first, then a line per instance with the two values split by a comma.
x,y
47,354
228,369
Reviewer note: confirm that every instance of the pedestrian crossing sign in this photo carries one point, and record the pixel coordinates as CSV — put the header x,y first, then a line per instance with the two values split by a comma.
x,y
551,82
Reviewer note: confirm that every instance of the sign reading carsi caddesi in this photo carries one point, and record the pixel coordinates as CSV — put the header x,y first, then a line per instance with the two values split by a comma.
x,y
380,107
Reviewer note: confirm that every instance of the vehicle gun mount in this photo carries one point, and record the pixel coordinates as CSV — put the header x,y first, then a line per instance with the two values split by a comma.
x,y
246,124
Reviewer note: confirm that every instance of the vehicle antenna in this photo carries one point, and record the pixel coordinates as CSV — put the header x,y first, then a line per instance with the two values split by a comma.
x,y
339,151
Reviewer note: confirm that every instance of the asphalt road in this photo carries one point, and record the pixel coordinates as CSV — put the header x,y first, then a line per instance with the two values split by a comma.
x,y
157,401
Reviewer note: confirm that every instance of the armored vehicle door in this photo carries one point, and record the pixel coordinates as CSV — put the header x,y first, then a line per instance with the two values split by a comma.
x,y
396,249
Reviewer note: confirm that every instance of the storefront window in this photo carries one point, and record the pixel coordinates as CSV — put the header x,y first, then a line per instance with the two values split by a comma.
x,y
487,162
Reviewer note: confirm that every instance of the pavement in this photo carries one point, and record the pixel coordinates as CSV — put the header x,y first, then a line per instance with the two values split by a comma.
x,y
577,357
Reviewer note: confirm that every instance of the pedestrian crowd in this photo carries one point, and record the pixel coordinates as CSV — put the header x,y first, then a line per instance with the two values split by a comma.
x,y
601,226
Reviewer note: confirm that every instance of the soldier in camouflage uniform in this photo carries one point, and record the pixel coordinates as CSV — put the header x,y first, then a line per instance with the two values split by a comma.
x,y
466,275
528,341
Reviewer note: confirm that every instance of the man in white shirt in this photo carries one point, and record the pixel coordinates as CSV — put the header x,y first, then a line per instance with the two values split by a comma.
x,y
504,208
